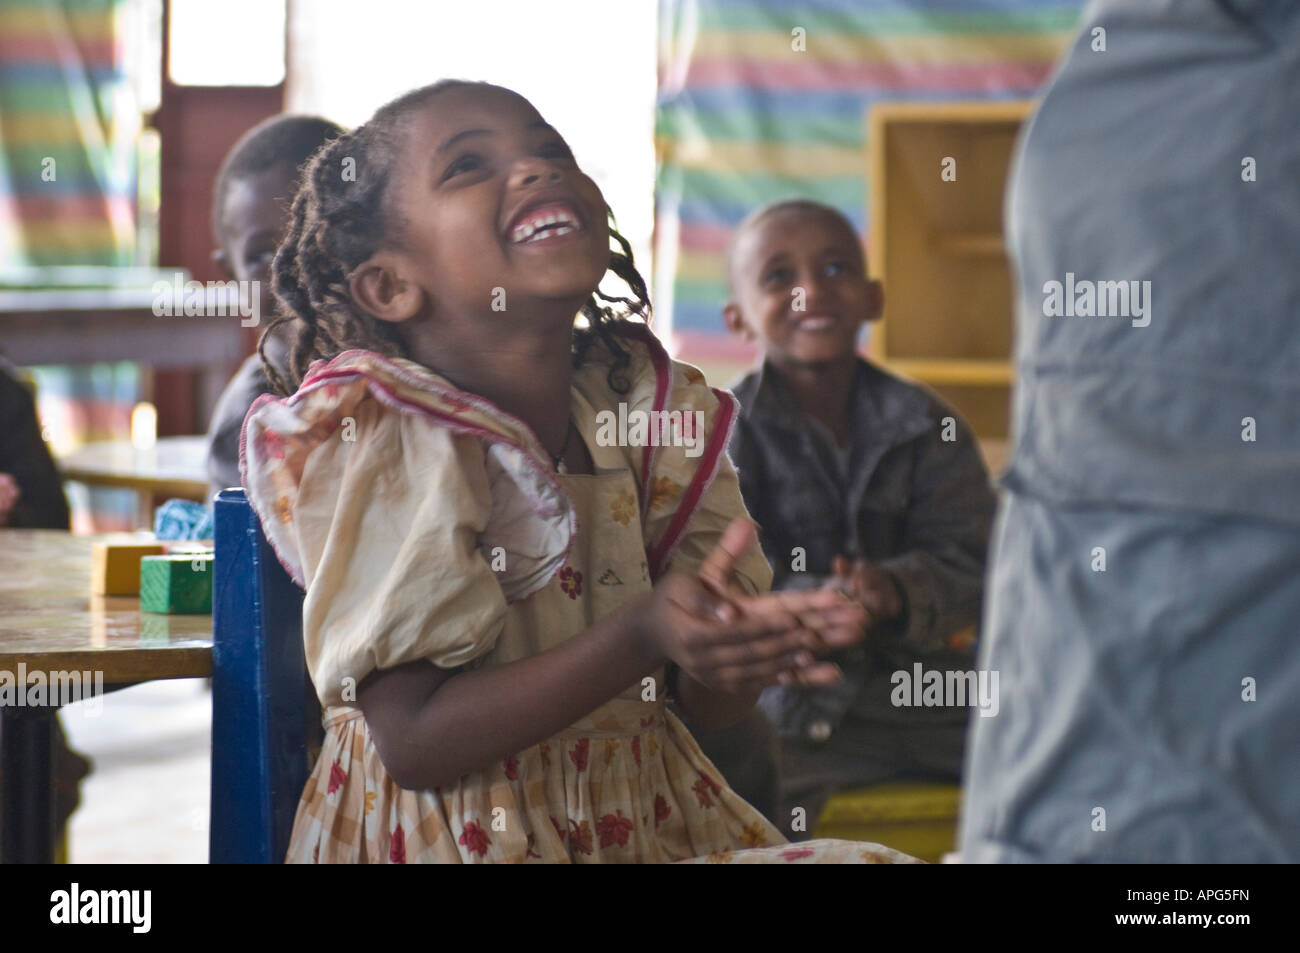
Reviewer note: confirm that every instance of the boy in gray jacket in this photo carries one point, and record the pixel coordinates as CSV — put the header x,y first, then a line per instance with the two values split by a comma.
x,y
864,482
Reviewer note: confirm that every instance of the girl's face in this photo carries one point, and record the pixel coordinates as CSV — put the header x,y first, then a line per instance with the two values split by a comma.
x,y
493,218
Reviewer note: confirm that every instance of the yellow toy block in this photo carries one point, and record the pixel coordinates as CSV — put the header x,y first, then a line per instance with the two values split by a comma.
x,y
115,567
916,817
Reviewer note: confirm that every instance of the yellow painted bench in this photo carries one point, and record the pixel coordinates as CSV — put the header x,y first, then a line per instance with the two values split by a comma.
x,y
916,817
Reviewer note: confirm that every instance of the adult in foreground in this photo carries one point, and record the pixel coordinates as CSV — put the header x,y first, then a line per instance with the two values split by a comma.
x,y
1143,602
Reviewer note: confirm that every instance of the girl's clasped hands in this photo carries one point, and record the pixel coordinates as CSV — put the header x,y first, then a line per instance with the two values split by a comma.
x,y
739,644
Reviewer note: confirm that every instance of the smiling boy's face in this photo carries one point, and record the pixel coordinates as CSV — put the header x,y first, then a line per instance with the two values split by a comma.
x,y
254,217
486,195
793,257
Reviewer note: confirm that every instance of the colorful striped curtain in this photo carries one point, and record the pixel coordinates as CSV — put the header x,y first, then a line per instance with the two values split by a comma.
x,y
67,146
68,129
765,99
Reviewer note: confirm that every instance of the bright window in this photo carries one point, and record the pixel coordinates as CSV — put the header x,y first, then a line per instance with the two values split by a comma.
x,y
231,43
587,65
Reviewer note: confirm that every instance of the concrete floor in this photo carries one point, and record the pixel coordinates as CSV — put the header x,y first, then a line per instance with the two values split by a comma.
x,y
146,799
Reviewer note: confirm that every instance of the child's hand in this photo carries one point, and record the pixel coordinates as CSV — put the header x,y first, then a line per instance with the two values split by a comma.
x,y
9,494
737,643
875,589
836,622
710,640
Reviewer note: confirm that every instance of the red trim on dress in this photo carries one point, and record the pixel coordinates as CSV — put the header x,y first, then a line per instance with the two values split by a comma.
x,y
700,482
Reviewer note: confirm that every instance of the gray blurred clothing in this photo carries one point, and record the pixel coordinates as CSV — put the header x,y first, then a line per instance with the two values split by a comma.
x,y
1123,690
227,423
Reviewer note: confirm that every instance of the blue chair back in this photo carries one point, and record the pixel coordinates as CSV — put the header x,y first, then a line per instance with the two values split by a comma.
x,y
264,711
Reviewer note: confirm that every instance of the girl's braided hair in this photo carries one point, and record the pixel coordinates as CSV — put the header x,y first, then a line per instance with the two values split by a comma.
x,y
337,224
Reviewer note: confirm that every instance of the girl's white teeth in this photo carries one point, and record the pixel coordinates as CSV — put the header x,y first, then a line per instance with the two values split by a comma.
x,y
539,235
528,231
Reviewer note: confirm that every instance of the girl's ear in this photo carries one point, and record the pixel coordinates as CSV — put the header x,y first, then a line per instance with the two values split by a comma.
x,y
377,285
735,321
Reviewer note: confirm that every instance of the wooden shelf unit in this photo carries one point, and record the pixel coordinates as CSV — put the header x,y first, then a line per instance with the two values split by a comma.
x,y
939,249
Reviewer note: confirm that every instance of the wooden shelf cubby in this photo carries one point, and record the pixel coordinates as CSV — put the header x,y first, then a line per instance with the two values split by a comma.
x,y
938,247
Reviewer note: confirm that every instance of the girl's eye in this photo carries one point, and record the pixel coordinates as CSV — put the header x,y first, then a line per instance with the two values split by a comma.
x,y
260,257
777,276
466,163
836,268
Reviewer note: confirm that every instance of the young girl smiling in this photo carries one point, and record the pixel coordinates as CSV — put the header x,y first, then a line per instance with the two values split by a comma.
x,y
490,620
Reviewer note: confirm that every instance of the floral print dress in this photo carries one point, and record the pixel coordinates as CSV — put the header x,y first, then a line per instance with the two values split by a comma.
x,y
414,541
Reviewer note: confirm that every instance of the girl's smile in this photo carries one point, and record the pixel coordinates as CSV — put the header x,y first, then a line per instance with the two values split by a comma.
x,y
547,216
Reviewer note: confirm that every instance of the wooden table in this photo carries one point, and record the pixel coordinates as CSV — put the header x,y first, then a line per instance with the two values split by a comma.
x,y
174,466
49,622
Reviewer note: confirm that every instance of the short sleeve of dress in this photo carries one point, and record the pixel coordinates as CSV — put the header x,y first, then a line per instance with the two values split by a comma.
x,y
717,500
388,527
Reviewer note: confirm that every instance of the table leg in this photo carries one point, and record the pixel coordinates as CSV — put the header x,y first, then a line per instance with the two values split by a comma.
x,y
27,785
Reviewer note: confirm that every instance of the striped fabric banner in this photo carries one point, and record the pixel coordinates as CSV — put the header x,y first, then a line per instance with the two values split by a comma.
x,y
765,99
68,129
67,144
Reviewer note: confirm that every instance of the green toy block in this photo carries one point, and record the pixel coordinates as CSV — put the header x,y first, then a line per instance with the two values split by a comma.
x,y
176,584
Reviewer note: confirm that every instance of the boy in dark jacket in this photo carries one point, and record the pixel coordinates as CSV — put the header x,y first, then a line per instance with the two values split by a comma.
x,y
250,212
864,482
